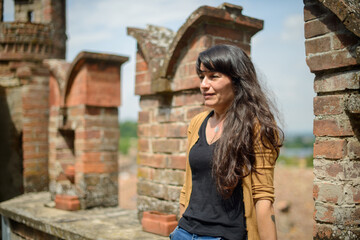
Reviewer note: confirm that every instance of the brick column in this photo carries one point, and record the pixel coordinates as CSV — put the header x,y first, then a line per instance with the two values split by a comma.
x,y
84,131
331,53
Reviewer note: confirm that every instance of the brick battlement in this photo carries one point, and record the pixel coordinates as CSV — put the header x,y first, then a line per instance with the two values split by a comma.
x,y
20,40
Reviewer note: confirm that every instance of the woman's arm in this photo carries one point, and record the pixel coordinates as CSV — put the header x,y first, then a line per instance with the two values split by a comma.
x,y
266,220
182,210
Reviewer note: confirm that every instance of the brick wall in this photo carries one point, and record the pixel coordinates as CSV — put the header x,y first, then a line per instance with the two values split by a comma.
x,y
332,53
168,86
23,46
84,131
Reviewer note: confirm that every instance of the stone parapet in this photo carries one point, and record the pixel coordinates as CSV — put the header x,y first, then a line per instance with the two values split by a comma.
x,y
34,215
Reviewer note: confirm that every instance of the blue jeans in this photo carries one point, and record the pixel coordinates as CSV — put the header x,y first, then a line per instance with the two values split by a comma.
x,y
181,234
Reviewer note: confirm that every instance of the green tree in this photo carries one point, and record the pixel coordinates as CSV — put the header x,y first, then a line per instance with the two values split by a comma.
x,y
128,132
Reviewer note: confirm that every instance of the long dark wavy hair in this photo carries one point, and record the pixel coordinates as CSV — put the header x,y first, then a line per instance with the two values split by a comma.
x,y
234,156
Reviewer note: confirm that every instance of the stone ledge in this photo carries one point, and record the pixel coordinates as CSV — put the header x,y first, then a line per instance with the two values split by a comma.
x,y
98,223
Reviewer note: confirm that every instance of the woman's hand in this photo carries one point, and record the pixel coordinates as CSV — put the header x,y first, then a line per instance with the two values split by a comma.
x,y
266,220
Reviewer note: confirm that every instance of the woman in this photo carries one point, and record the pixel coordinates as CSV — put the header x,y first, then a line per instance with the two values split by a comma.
x,y
232,149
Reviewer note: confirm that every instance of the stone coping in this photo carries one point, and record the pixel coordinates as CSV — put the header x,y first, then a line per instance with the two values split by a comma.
x,y
98,223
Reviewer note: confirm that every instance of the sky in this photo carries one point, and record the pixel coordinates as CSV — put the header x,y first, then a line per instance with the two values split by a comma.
x,y
277,51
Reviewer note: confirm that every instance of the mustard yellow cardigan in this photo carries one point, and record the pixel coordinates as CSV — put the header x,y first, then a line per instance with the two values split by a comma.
x,y
255,186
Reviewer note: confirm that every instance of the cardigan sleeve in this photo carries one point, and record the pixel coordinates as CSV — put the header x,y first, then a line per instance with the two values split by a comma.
x,y
263,178
182,199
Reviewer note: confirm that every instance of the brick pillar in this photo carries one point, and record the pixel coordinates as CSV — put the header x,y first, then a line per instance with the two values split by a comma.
x,y
35,125
332,54
168,86
84,130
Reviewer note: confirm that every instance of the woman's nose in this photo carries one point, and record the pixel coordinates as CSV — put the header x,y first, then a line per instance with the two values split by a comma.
x,y
204,83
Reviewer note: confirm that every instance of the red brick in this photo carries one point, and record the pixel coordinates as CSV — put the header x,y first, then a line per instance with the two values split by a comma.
x,y
337,82
143,89
186,83
326,105
333,127
146,173
191,55
169,114
318,27
356,194
67,202
90,157
32,155
166,146
93,110
331,149
78,111
144,117
144,130
141,66
96,167
331,60
143,145
317,45
202,42
152,160
88,134
142,79
147,102
182,99
169,130
159,223
176,162
111,134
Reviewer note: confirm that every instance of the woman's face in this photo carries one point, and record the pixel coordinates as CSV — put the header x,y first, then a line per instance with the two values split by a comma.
x,y
216,88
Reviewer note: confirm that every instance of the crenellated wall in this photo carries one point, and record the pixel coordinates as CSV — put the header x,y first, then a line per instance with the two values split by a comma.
x,y
332,46
168,86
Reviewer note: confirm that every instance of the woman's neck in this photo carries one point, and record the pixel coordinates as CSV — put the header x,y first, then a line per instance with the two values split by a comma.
x,y
219,115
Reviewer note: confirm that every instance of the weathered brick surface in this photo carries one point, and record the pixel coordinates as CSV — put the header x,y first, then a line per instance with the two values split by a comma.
x,y
328,105
334,127
331,44
331,149
337,81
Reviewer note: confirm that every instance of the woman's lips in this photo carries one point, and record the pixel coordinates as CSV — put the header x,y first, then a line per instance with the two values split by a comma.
x,y
208,95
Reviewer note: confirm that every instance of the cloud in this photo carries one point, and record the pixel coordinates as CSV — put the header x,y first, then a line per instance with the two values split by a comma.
x,y
293,28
